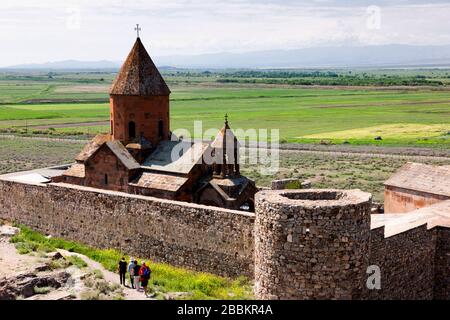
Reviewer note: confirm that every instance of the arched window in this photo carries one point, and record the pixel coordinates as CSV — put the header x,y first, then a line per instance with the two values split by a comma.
x,y
132,130
160,128
106,179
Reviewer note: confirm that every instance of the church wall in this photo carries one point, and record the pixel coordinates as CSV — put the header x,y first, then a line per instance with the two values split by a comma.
x,y
103,166
202,238
144,111
399,200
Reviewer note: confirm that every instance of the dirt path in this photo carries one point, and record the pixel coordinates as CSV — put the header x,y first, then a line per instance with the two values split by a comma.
x,y
361,151
71,125
129,294
367,155
11,262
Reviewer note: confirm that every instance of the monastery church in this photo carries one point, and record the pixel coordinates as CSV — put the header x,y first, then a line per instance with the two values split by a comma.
x,y
141,156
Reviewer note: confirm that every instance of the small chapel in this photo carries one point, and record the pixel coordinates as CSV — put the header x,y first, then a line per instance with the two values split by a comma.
x,y
141,156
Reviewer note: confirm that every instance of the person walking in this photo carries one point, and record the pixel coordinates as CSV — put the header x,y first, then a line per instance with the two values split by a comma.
x,y
137,268
131,266
122,270
144,277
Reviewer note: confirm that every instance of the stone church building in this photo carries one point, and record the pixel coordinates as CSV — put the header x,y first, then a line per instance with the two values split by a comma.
x,y
141,156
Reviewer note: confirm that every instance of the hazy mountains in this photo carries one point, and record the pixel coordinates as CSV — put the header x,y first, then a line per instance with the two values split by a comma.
x,y
332,57
68,65
325,57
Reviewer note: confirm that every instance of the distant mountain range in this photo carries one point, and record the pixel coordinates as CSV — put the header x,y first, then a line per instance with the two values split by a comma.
x,y
324,57
68,65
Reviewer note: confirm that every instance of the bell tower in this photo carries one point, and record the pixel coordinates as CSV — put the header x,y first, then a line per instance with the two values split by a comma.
x,y
226,153
139,100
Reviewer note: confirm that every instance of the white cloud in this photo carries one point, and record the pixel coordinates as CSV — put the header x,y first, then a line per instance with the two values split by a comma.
x,y
36,31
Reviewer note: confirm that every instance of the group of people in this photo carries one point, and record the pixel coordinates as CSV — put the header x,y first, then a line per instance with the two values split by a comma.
x,y
139,274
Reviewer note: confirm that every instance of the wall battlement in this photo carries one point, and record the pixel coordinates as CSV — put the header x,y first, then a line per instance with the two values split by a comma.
x,y
299,244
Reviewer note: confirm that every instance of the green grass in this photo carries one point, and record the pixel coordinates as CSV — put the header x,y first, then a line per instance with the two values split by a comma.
x,y
301,114
341,171
21,154
42,290
166,277
77,261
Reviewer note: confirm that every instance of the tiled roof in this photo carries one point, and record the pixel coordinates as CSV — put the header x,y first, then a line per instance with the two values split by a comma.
x,y
76,170
123,155
139,76
421,177
115,146
227,133
436,215
158,181
175,156
92,146
141,144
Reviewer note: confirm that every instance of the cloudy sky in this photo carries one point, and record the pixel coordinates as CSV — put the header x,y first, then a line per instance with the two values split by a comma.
x,y
50,30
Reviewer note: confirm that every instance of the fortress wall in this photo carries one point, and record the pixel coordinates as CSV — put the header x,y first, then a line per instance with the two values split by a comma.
x,y
311,244
302,244
442,264
406,262
183,234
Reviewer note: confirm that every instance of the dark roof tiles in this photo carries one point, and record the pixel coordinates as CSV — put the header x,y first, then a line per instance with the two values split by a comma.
x,y
92,146
123,155
139,76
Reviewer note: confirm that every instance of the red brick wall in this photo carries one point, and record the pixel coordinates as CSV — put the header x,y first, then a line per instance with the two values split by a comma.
x,y
144,111
398,200
104,162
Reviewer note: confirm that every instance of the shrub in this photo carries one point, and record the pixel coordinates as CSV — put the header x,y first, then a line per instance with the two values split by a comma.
x,y
24,247
42,290
77,261
98,274
90,295
102,286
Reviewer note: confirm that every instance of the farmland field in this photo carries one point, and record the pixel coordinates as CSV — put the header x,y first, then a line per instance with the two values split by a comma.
x,y
324,170
77,104
337,119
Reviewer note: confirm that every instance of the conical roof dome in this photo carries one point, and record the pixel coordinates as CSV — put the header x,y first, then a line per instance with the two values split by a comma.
x,y
139,76
225,134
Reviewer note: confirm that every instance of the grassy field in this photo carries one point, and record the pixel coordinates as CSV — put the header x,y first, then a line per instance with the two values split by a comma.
x,y
419,117
20,154
325,170
342,171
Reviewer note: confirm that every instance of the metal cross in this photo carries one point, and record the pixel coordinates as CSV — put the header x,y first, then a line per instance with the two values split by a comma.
x,y
226,118
137,29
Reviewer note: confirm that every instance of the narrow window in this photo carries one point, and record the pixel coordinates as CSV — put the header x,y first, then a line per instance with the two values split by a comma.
x,y
106,179
112,127
160,128
132,130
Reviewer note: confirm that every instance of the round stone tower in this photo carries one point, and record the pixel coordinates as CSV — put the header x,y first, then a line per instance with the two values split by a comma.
x,y
311,244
